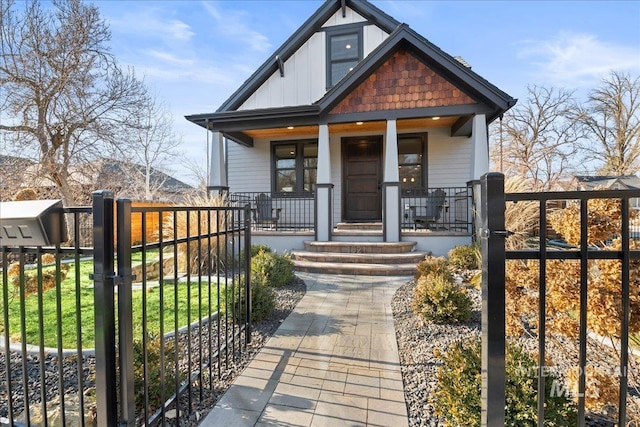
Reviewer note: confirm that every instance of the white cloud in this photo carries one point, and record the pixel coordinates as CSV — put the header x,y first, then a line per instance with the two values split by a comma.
x,y
577,60
146,22
235,26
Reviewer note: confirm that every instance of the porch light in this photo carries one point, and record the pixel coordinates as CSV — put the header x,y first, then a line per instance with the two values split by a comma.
x,y
289,127
359,123
413,179
348,46
435,118
404,179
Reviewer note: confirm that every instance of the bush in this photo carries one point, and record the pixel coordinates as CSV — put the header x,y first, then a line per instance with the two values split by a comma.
x,y
263,300
49,277
433,265
271,269
465,257
154,371
255,250
457,395
439,299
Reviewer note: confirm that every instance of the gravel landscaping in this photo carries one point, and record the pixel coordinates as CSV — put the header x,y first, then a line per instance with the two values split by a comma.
x,y
418,338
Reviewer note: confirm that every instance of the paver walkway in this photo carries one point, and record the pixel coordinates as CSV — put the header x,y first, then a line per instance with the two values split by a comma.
x,y
333,362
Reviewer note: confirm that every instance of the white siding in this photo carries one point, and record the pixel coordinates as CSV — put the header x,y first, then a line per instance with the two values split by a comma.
x,y
250,168
373,37
305,80
350,18
449,159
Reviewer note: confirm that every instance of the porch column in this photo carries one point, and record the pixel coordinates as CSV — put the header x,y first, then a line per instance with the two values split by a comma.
x,y
217,171
391,186
324,187
480,142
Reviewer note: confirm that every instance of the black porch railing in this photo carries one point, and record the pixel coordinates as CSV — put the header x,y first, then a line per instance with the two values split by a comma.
x,y
295,212
152,330
540,249
452,211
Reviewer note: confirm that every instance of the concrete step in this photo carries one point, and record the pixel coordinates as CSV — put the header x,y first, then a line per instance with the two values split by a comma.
x,y
360,247
351,226
355,269
359,258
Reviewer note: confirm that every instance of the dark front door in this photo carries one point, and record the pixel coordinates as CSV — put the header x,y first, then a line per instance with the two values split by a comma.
x,y
362,178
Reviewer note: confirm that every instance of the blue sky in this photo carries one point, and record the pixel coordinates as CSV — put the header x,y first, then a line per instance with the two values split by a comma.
x,y
194,54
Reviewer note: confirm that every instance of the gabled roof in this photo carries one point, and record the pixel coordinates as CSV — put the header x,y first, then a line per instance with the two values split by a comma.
x,y
232,122
446,64
632,182
299,37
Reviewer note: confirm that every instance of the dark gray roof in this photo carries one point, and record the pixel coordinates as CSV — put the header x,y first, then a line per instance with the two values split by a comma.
x,y
110,168
631,181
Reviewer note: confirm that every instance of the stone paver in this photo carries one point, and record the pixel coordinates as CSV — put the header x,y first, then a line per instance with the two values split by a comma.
x,y
333,362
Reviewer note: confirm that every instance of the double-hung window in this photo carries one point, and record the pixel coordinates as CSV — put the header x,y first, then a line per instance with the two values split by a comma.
x,y
412,161
295,165
344,51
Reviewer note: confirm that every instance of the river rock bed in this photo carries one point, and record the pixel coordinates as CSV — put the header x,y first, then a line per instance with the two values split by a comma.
x,y
417,339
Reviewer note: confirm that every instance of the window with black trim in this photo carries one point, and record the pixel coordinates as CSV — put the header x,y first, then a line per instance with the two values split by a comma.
x,y
412,161
344,51
294,166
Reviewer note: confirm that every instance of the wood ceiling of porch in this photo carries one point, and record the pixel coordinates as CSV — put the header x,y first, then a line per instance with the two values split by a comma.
x,y
352,128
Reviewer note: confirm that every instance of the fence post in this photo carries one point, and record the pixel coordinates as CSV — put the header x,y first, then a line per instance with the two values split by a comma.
x,y
247,269
492,236
105,331
125,315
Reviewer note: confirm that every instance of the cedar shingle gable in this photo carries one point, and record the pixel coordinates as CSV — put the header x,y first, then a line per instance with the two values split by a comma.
x,y
401,82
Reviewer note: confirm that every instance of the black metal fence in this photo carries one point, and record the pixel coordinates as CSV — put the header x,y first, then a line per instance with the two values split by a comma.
x,y
452,212
124,334
294,212
543,251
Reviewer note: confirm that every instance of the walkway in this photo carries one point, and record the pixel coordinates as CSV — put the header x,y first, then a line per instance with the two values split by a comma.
x,y
333,362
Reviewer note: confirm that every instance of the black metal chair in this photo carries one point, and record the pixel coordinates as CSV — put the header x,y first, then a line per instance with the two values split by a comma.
x,y
432,210
263,212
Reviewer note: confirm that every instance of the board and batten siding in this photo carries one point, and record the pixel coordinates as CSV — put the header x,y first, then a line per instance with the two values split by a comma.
x,y
304,80
351,17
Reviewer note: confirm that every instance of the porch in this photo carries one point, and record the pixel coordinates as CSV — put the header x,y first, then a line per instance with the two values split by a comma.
x,y
297,220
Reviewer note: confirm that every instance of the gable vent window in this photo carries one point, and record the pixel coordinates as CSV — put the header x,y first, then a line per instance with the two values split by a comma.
x,y
344,51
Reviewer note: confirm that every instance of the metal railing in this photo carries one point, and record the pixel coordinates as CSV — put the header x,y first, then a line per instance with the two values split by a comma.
x,y
455,211
152,329
494,257
296,212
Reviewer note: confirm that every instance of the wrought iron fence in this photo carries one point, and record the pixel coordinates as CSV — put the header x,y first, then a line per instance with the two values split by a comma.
x,y
124,333
294,212
543,250
422,211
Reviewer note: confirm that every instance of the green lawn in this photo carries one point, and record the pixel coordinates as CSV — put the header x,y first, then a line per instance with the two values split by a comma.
x,y
69,315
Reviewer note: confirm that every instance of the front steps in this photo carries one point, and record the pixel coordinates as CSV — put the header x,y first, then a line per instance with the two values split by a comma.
x,y
365,258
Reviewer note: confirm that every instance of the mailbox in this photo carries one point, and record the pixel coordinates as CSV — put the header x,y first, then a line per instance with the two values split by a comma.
x,y
32,223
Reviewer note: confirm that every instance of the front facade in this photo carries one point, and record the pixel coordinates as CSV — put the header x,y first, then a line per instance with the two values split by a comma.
x,y
357,118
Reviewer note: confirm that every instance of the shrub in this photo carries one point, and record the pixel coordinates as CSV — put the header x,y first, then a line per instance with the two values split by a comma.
x,y
271,269
154,369
433,265
465,257
439,299
25,194
49,277
263,300
457,395
255,250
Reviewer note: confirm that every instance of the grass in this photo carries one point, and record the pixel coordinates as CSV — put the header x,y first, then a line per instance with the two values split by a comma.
x,y
69,315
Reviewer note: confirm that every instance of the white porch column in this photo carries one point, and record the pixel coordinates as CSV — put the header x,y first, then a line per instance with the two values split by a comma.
x,y
324,223
391,186
217,170
480,143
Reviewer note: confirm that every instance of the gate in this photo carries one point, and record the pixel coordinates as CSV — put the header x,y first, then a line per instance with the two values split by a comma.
x,y
494,256
172,315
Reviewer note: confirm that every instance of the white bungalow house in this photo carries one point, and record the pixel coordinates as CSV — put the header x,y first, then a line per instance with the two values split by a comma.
x,y
356,118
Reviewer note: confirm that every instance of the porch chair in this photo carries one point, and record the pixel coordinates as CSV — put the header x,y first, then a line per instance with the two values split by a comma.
x,y
263,212
432,209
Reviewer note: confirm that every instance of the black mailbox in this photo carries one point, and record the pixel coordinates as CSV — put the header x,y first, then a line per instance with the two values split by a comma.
x,y
32,223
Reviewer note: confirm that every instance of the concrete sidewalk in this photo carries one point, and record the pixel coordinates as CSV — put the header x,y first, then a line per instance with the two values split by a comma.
x,y
333,362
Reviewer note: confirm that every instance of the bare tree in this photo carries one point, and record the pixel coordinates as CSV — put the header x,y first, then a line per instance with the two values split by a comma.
x,y
151,145
537,139
63,95
611,118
